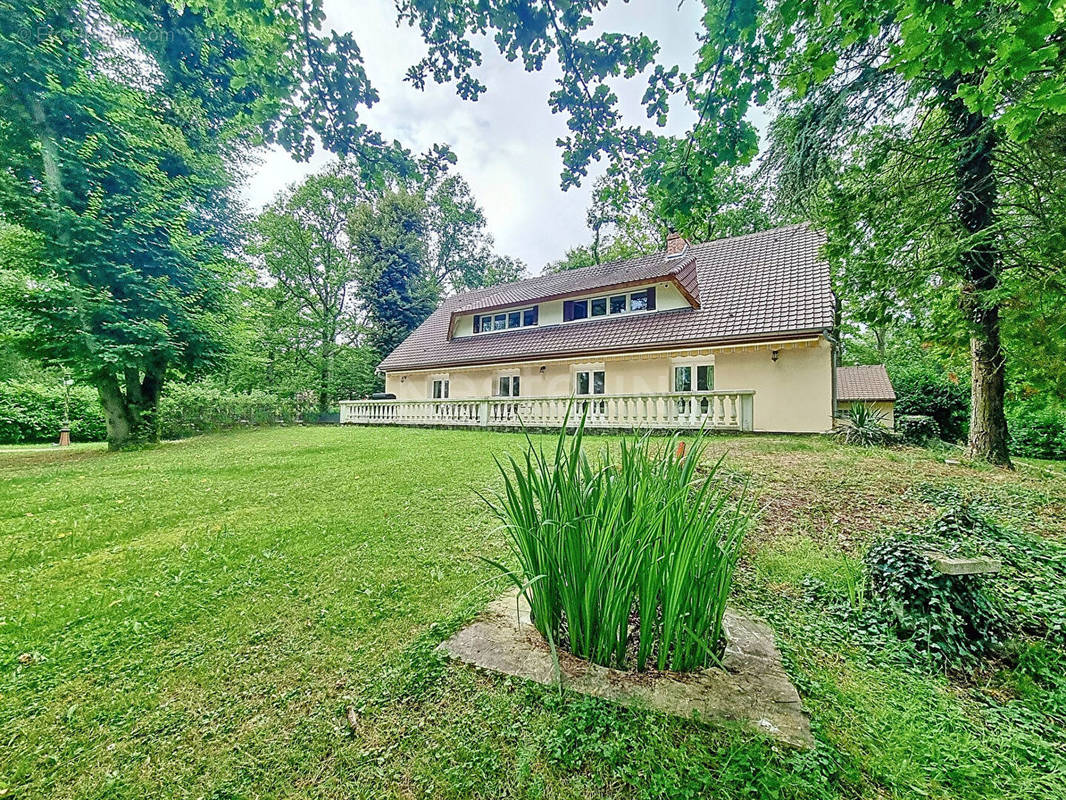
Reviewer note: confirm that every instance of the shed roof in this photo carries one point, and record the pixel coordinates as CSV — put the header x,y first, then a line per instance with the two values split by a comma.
x,y
865,383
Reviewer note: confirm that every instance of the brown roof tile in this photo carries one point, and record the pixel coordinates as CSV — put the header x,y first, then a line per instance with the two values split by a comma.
x,y
572,282
749,287
864,383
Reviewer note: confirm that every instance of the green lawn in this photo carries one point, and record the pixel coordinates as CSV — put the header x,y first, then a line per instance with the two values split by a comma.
x,y
194,621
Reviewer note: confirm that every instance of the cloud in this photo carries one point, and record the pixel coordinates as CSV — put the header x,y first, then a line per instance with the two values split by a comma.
x,y
505,142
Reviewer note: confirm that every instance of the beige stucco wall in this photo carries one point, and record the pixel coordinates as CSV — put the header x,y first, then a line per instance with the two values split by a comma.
x,y
793,394
667,297
888,408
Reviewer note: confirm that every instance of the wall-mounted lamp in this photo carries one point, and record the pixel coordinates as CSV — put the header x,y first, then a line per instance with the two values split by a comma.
x,y
542,369
403,378
774,354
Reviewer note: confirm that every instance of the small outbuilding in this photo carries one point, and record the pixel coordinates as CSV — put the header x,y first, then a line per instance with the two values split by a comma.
x,y
868,384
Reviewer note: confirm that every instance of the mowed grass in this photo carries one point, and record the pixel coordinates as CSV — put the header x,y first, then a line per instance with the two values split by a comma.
x,y
196,620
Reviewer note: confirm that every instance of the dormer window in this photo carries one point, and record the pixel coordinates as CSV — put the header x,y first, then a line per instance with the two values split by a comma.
x,y
506,320
609,305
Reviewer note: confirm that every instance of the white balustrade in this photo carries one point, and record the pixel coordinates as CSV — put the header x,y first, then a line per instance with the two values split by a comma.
x,y
719,410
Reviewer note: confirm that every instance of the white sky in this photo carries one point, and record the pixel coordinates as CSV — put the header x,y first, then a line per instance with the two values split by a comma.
x,y
505,142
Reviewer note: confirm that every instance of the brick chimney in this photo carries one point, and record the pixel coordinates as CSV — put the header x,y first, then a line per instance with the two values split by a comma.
x,y
675,244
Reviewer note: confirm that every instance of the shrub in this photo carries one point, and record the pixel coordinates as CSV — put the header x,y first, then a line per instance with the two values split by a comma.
x,y
1038,432
925,390
188,409
918,429
627,560
951,617
864,425
33,412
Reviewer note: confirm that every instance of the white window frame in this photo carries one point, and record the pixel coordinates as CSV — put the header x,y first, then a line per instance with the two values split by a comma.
x,y
506,314
628,309
692,363
694,368
445,386
511,376
591,370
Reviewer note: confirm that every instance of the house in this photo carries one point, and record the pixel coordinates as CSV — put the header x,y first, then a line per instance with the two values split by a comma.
x,y
733,334
869,385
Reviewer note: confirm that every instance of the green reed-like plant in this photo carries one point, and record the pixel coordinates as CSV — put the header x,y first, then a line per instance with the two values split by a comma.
x,y
626,559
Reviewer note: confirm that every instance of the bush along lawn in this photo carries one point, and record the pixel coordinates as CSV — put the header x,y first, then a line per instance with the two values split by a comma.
x,y
255,614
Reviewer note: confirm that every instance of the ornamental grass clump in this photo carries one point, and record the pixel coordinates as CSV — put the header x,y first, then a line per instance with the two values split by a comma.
x,y
628,560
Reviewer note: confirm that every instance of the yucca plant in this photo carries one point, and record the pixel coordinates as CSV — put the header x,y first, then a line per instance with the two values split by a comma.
x,y
864,425
628,560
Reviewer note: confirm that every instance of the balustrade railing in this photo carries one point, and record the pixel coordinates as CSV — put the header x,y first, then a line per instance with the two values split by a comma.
x,y
724,410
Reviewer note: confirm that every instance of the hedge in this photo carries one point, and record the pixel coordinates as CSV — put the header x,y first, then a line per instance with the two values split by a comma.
x,y
33,412
1038,433
191,409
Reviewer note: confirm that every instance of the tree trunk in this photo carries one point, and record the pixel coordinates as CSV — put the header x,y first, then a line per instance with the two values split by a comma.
x,y
53,173
324,373
988,422
879,337
131,415
975,202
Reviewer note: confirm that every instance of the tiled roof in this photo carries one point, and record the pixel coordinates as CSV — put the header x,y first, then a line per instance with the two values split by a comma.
x,y
750,287
864,383
574,281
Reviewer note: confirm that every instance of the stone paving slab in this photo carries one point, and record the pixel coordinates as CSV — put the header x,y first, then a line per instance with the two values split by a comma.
x,y
949,565
751,687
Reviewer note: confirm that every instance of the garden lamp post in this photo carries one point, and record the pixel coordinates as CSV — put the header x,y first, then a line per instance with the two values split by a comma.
x,y
64,432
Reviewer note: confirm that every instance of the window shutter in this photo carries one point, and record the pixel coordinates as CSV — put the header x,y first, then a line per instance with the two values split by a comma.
x,y
651,298
477,323
568,310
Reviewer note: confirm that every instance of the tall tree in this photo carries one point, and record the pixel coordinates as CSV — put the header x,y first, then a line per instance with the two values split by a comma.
x,y
932,114
303,242
120,125
459,249
395,286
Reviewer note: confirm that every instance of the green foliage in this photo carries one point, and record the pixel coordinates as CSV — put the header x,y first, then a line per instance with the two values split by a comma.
x,y
303,243
196,408
1038,432
922,389
640,548
354,373
459,250
929,376
533,32
864,425
703,200
950,617
33,412
123,128
918,429
1031,585
394,287
602,252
